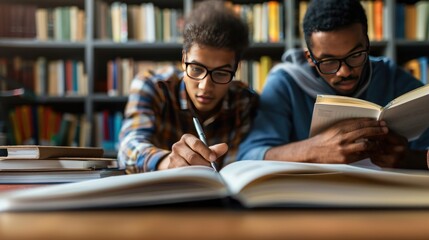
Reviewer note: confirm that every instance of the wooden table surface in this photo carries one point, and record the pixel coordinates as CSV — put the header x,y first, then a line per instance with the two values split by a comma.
x,y
147,223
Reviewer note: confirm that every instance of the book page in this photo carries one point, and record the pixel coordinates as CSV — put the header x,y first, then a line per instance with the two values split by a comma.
x,y
275,183
167,186
239,174
345,101
410,96
408,115
326,115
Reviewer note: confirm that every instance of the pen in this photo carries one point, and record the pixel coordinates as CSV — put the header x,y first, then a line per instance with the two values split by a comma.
x,y
202,137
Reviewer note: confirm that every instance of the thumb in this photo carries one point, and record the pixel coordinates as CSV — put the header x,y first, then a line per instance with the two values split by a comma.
x,y
219,149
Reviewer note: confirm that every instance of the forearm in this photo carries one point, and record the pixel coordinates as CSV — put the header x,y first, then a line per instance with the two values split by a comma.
x,y
139,156
137,152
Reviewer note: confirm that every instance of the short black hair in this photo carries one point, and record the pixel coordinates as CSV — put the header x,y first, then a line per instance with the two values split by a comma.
x,y
213,24
329,15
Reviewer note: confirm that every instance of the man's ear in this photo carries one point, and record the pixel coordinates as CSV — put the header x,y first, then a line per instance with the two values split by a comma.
x,y
308,57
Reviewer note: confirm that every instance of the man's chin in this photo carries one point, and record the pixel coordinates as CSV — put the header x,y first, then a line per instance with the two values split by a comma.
x,y
346,89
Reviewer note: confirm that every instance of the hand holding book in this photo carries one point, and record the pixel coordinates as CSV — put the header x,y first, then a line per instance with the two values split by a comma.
x,y
406,115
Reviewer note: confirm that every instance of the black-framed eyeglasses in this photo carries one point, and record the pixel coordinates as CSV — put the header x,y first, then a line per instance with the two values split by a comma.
x,y
199,72
333,65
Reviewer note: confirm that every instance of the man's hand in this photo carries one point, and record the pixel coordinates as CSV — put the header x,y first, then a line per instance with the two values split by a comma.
x,y
190,150
347,141
392,150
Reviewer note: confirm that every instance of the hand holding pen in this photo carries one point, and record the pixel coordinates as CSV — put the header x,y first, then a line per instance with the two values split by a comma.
x,y
202,137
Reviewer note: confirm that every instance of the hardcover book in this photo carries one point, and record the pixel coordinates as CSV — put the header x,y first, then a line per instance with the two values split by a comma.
x,y
58,163
44,152
62,176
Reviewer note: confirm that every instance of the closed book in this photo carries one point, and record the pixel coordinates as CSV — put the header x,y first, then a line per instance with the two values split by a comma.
x,y
61,163
37,177
44,152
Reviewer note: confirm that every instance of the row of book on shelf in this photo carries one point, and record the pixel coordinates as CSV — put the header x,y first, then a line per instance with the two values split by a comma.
x,y
60,24
411,21
41,125
147,22
60,77
266,20
120,22
21,20
144,22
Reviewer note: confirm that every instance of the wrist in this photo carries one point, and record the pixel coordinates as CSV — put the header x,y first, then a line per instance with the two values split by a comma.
x,y
164,163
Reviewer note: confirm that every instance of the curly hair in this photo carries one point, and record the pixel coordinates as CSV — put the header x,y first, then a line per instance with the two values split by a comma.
x,y
213,24
329,15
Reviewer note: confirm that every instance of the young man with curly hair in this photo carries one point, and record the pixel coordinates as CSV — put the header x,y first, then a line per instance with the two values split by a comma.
x,y
158,130
336,62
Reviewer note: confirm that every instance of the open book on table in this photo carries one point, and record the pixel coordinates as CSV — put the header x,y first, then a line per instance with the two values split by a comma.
x,y
407,114
252,183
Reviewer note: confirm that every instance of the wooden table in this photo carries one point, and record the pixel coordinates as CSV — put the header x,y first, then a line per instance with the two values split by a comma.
x,y
147,223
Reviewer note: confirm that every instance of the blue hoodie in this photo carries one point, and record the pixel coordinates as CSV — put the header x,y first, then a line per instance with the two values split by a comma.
x,y
287,100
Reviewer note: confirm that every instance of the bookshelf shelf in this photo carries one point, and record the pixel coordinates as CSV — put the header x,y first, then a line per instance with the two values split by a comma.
x,y
95,52
104,44
60,99
31,43
103,98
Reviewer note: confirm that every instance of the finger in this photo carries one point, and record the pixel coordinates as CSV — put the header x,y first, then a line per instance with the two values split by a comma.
x,y
396,139
358,151
199,147
219,149
362,145
356,124
366,131
182,151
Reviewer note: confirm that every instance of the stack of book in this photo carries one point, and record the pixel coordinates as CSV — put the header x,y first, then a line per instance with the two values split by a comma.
x,y
54,164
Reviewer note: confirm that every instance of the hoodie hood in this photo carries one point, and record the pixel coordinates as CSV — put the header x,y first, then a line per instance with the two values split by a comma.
x,y
308,79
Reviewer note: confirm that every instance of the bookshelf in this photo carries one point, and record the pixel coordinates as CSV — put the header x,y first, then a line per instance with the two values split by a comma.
x,y
95,51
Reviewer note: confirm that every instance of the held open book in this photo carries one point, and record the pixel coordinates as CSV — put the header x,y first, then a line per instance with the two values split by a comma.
x,y
407,114
252,183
